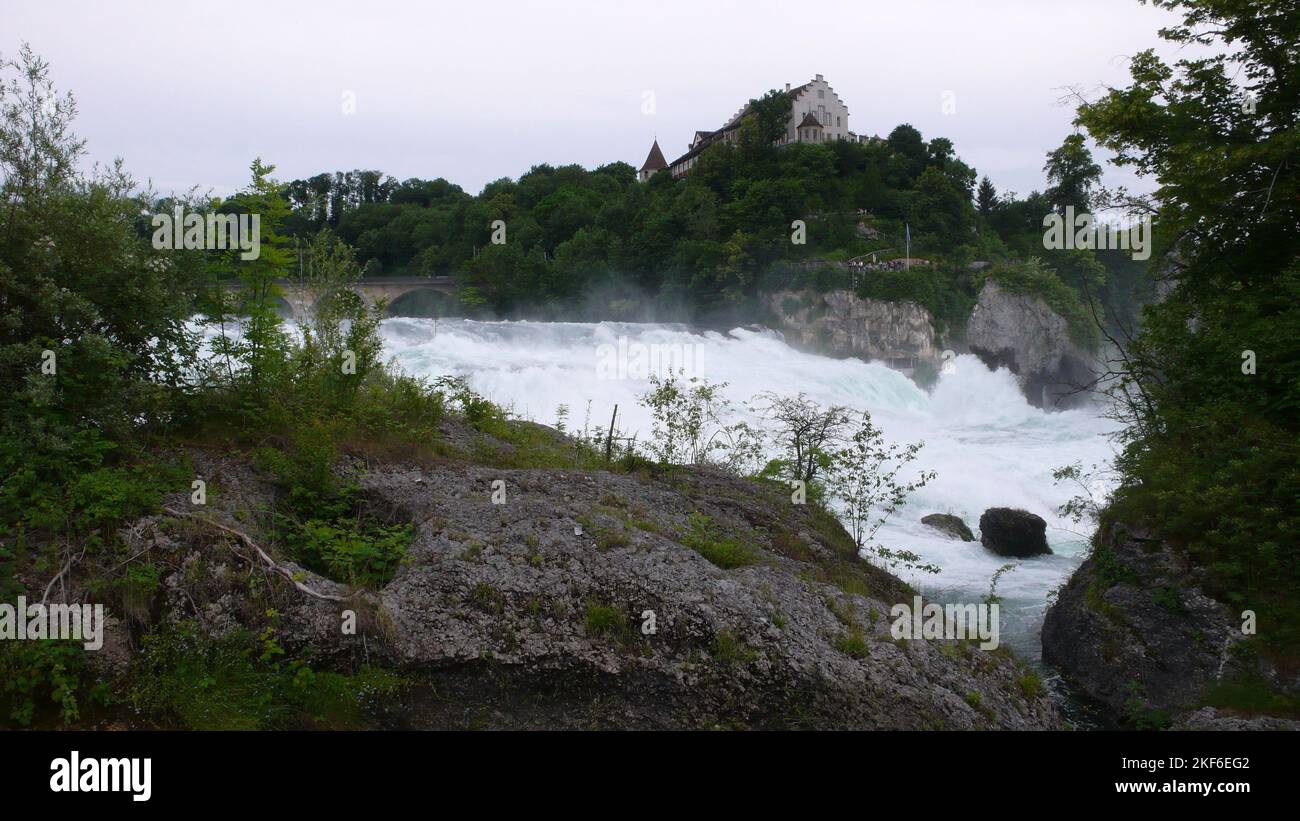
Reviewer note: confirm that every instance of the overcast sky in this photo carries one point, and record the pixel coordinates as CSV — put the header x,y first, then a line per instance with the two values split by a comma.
x,y
189,92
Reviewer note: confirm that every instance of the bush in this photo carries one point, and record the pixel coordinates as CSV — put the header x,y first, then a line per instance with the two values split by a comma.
x,y
355,552
244,681
37,677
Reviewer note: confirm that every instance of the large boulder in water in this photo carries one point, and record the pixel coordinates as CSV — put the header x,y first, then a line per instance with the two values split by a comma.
x,y
1010,532
950,525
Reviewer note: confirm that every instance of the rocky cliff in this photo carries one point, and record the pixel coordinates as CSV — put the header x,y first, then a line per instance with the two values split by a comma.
x,y
677,599
1136,630
1021,333
840,323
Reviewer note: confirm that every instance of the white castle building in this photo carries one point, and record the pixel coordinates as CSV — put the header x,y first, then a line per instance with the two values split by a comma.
x,y
817,115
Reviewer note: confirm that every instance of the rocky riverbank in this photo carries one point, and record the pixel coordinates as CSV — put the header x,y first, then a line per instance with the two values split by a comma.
x,y
1137,631
592,598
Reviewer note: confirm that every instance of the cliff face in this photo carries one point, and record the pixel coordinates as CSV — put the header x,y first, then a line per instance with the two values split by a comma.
x,y
1135,629
841,324
600,599
1021,333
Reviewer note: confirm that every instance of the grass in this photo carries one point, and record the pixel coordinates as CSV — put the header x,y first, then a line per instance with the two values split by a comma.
x,y
728,648
853,644
844,613
1030,685
789,544
647,524
606,621
610,538
1252,694
606,537
487,598
706,538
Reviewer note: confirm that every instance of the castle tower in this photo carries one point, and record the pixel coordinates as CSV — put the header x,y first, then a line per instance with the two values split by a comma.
x,y
654,162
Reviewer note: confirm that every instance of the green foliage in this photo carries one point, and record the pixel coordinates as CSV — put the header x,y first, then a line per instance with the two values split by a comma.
x,y
93,341
608,622
1252,694
243,681
1072,174
864,477
42,677
1031,685
139,584
705,537
728,648
805,432
328,525
1209,456
480,413
1140,715
853,644
1034,278
358,553
992,596
690,425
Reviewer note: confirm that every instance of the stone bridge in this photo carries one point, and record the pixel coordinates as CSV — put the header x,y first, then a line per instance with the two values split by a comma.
x,y
301,297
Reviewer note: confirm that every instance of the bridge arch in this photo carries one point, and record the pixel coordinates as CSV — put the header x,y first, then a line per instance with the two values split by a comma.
x,y
421,302
419,296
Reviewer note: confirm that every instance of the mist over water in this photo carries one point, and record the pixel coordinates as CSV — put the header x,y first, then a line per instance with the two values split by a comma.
x,y
988,445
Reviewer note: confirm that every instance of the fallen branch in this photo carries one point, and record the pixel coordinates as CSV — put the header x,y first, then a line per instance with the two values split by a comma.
x,y
270,563
71,561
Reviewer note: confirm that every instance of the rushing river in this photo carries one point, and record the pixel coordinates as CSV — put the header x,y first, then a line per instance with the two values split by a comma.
x,y
989,447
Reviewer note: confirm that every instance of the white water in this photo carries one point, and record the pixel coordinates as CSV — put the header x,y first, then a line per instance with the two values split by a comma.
x,y
988,445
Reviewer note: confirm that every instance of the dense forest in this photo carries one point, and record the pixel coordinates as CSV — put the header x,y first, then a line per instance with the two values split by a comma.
x,y
598,244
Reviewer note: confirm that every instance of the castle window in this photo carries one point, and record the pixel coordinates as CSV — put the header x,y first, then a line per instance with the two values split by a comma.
x,y
821,94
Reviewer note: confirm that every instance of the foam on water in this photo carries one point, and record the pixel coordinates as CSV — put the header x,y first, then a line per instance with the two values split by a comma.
x,y
988,445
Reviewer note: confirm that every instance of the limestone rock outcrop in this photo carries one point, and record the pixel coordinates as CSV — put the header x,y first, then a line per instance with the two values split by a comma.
x,y
1021,333
840,323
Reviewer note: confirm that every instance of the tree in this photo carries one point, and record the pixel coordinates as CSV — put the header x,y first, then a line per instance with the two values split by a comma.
x,y
987,197
771,116
1210,448
943,208
93,327
690,427
805,431
261,348
863,477
907,156
1072,174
